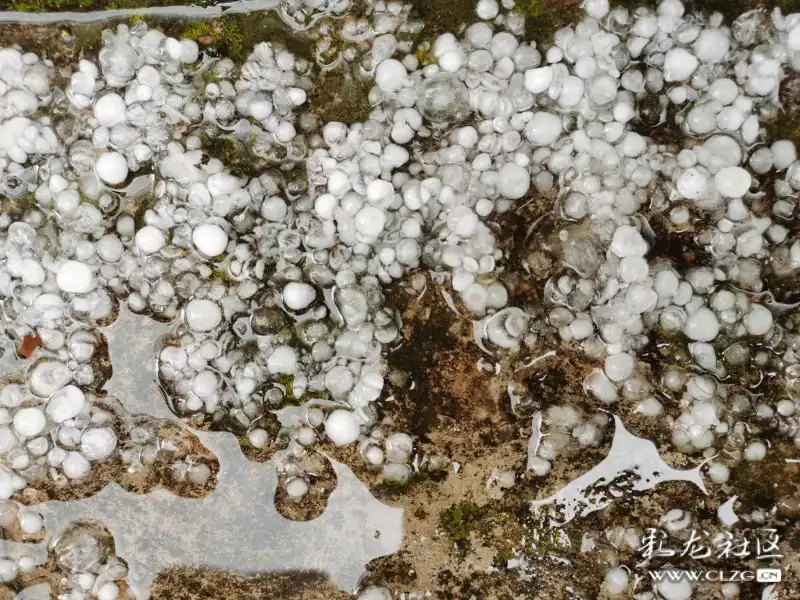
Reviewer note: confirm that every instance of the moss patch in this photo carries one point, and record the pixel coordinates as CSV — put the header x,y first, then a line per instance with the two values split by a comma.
x,y
459,521
340,97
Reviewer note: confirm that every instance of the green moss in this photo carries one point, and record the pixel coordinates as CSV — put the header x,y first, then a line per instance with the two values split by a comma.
x,y
340,97
544,17
459,521
231,42
532,8
230,151
198,29
19,206
218,274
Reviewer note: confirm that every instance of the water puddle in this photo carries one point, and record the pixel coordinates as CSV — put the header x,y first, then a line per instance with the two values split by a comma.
x,y
237,527
633,464
132,342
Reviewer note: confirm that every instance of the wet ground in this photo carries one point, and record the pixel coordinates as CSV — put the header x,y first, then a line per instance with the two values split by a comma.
x,y
463,538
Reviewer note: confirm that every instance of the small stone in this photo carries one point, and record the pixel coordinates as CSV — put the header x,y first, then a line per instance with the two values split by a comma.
x,y
29,345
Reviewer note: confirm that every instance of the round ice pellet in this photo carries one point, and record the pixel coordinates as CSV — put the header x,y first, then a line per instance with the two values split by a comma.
x,y
702,325
210,239
75,277
112,168
342,427
202,314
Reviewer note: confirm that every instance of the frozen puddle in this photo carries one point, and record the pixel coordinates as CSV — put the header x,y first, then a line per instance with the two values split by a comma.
x,y
132,343
633,463
192,12
237,527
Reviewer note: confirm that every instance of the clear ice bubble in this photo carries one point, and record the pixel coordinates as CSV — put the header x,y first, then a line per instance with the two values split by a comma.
x,y
443,98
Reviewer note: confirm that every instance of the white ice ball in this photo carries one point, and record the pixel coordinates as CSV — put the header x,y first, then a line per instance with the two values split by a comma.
x,y
75,277
29,422
210,239
112,168
342,427
675,589
514,181
390,75
202,314
543,129
679,64
297,295
732,182
283,360
75,466
66,403
149,239
110,110
702,325
98,443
